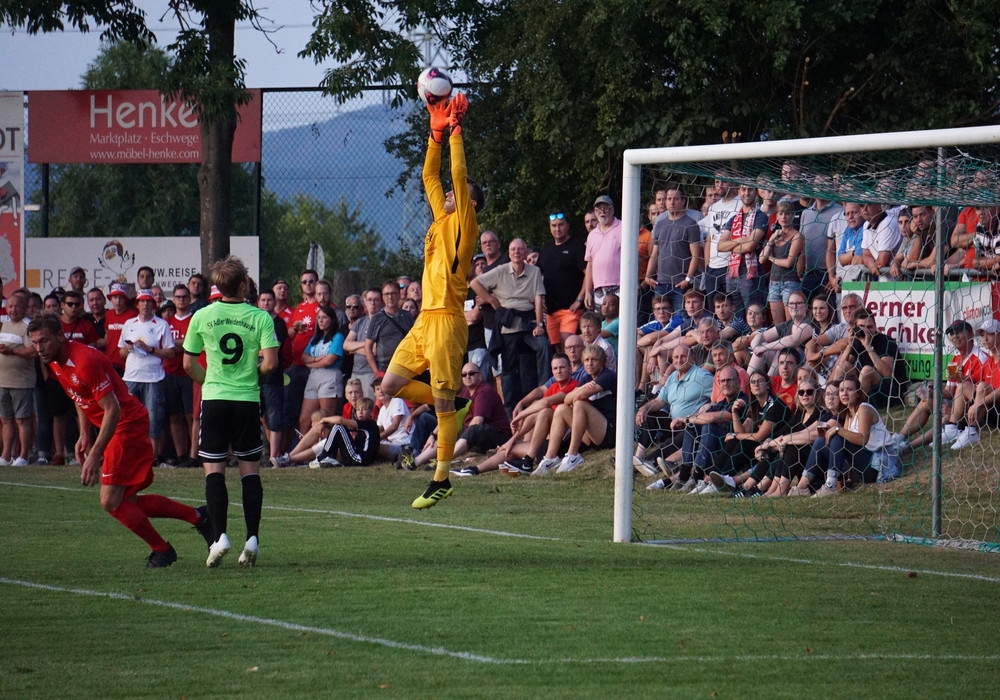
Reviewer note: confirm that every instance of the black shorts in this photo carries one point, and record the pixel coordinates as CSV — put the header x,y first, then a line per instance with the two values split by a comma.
x,y
230,425
178,391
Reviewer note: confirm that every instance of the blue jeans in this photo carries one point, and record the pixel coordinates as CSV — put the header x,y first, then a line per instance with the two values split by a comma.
x,y
841,458
423,426
153,398
710,443
747,291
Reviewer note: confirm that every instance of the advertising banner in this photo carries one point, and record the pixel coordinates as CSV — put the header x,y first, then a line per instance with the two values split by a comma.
x,y
11,190
127,126
173,259
904,311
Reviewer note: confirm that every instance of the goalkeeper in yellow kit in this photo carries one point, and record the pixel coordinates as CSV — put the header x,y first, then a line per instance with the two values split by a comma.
x,y
439,336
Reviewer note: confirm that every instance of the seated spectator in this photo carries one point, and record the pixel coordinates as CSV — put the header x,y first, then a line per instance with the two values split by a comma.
x,y
781,459
485,425
350,442
311,442
758,322
530,424
609,321
730,325
648,334
875,358
706,336
590,331
764,417
881,238
784,383
793,333
709,424
392,420
827,346
661,419
965,372
681,328
824,316
849,450
973,405
587,415
723,356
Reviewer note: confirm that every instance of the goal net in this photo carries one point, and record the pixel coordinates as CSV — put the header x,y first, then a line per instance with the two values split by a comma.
x,y
920,485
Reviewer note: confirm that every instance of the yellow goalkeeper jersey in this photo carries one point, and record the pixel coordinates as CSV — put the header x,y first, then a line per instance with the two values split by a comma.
x,y
451,239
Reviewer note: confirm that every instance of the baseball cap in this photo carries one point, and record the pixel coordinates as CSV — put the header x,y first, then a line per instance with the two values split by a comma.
x,y
603,199
990,325
959,327
118,288
77,269
145,295
478,256
215,295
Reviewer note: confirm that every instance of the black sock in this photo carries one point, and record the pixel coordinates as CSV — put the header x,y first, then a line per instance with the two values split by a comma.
x,y
253,502
217,498
962,424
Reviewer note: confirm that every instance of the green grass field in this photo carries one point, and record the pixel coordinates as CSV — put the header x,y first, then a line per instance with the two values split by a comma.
x,y
510,588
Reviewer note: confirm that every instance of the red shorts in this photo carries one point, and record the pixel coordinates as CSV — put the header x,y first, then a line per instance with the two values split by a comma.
x,y
562,321
128,458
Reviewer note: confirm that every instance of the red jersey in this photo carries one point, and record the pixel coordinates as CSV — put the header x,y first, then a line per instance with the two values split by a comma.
x,y
178,330
113,322
87,376
991,372
785,393
80,330
969,367
306,313
557,388
286,315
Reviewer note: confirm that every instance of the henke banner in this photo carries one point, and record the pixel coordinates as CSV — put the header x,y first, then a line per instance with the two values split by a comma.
x,y
127,126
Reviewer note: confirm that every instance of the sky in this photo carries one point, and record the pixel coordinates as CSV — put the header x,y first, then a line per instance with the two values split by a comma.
x,y
56,61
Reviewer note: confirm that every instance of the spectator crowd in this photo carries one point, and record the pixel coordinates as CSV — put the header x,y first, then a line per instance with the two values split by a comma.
x,y
756,374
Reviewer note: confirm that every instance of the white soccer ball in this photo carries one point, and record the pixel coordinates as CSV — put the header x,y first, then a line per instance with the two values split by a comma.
x,y
433,86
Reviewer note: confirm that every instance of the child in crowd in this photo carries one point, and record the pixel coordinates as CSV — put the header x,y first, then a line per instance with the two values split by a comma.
x,y
609,322
590,331
391,422
350,442
311,442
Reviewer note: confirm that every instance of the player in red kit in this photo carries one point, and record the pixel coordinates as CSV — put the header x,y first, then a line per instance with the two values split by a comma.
x,y
120,458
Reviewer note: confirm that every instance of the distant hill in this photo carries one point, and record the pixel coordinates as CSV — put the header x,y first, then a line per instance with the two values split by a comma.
x,y
344,156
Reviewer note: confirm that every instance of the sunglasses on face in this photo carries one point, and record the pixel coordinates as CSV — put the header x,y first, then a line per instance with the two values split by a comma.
x,y
72,304
305,282
354,306
557,217
806,392
469,374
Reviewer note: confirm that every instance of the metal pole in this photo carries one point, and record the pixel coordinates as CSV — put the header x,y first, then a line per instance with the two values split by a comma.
x,y
44,210
941,241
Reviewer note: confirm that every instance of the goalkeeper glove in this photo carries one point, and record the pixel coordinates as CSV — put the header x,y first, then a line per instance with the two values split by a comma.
x,y
439,119
457,107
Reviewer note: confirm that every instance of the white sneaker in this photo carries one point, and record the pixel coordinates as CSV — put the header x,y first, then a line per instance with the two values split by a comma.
x,y
19,462
546,466
250,551
4,462
969,436
699,487
569,463
217,551
658,485
708,490
644,468
949,433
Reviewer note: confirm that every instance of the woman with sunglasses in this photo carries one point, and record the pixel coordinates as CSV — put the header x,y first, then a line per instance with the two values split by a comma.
x,y
831,409
851,443
785,456
766,416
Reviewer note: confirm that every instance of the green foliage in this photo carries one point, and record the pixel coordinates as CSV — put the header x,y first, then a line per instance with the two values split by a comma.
x,y
348,242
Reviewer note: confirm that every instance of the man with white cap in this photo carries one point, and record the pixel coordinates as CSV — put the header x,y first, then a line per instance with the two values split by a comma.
x,y
964,371
603,255
145,342
114,320
986,393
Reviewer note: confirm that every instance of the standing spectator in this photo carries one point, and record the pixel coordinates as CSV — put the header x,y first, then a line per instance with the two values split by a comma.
x,y
675,258
17,383
386,330
725,203
74,325
198,288
178,387
517,294
239,343
850,250
354,341
475,348
281,306
489,244
741,237
300,330
145,343
157,292
354,310
563,265
114,320
880,238
77,279
814,223
589,220
119,458
323,356
784,251
272,395
96,303
145,278
604,255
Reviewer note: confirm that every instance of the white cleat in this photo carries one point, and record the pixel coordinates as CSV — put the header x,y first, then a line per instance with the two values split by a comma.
x,y
250,551
217,551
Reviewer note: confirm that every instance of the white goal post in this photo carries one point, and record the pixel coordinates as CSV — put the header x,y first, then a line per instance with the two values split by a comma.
x,y
634,159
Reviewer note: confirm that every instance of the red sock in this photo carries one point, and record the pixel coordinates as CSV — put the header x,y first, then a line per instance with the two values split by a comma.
x,y
155,506
132,516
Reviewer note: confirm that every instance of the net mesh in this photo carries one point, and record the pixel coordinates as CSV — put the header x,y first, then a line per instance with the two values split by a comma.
x,y
883,504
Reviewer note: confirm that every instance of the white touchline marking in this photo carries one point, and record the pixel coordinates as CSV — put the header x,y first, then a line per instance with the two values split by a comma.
x,y
501,533
481,658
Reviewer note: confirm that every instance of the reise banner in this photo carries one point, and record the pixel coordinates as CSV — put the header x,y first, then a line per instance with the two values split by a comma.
x,y
127,126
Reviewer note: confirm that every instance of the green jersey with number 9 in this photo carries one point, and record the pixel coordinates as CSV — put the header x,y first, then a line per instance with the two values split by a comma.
x,y
231,334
